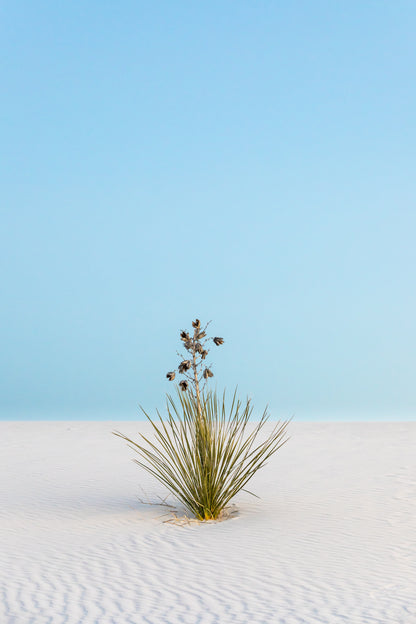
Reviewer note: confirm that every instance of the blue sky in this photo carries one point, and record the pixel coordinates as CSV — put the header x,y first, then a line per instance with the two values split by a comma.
x,y
252,163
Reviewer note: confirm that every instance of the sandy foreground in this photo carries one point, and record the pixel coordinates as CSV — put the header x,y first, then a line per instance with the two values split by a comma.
x,y
332,540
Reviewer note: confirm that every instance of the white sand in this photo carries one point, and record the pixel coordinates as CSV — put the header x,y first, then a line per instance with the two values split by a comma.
x,y
332,540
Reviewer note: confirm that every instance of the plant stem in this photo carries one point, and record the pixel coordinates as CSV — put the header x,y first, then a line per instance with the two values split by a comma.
x,y
194,366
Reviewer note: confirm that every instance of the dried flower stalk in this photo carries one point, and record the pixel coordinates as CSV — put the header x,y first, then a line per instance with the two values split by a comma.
x,y
193,369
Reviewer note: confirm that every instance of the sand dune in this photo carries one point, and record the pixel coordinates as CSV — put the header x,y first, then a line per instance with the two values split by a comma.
x,y
332,540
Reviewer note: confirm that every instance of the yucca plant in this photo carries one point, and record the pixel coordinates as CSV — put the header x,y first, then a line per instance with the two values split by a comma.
x,y
204,452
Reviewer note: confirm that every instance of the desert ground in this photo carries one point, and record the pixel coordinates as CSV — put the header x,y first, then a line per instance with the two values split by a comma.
x,y
331,540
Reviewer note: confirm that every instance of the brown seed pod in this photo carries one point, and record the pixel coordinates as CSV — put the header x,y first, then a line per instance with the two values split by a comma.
x,y
204,354
207,373
184,335
171,375
183,385
201,335
188,344
196,323
218,341
184,366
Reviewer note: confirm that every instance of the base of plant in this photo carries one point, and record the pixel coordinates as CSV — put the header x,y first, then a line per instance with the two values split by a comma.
x,y
184,519
180,516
